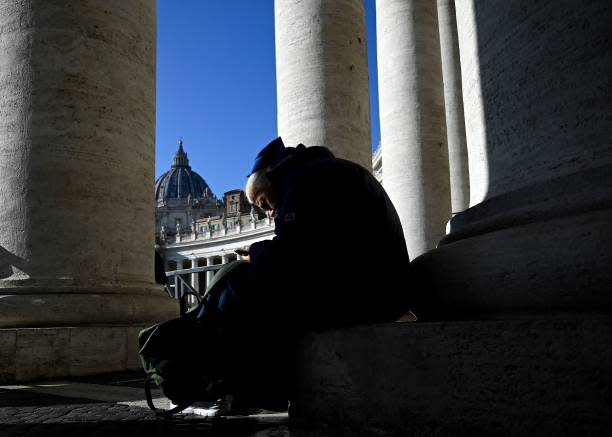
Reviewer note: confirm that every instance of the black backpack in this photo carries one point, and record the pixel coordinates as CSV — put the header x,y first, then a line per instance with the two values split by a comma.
x,y
185,356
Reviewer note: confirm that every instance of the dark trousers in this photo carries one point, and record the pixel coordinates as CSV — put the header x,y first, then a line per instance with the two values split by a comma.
x,y
259,341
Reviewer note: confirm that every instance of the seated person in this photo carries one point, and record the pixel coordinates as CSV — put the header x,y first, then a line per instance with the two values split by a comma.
x,y
338,258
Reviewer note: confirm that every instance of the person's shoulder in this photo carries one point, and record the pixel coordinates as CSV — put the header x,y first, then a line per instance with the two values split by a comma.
x,y
350,168
315,153
318,163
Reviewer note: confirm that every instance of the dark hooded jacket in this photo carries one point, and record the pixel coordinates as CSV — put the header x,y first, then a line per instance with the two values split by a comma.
x,y
339,256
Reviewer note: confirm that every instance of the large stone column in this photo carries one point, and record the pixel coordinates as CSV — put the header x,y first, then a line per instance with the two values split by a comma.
x,y
453,105
413,131
473,103
322,76
77,134
537,102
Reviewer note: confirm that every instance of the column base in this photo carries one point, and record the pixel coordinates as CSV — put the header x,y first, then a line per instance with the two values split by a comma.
x,y
542,249
42,353
560,265
41,309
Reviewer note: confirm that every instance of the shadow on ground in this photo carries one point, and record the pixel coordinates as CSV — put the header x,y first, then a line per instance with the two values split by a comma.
x,y
107,420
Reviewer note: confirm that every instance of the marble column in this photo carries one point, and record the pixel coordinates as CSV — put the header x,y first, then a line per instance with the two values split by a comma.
x,y
77,136
195,278
474,111
322,76
453,105
412,122
209,274
536,89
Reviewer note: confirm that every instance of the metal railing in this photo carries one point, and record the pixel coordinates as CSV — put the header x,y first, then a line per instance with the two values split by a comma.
x,y
180,288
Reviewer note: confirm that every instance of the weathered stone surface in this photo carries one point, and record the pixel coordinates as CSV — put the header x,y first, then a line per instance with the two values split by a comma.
x,y
8,346
41,353
536,90
536,96
472,100
35,353
69,309
412,122
322,76
556,265
453,106
108,355
132,358
514,377
77,134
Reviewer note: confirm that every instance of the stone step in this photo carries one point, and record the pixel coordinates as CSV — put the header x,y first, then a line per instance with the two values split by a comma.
x,y
546,376
66,351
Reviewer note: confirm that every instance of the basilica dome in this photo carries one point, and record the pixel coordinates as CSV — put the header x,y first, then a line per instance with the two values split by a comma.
x,y
181,184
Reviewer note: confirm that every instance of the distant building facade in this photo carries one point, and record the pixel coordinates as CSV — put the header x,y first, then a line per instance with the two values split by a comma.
x,y
195,228
182,197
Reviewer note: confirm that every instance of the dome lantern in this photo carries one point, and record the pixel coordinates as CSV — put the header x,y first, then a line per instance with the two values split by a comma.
x,y
180,157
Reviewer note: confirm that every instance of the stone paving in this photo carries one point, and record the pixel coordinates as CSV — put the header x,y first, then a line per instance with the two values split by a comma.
x,y
113,405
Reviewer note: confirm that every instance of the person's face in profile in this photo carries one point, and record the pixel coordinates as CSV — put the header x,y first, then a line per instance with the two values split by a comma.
x,y
266,201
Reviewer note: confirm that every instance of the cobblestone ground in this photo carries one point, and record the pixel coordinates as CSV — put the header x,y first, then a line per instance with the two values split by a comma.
x,y
75,408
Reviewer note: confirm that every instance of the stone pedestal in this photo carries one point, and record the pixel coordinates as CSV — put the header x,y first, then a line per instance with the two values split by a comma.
x,y
413,131
513,377
42,353
322,76
77,135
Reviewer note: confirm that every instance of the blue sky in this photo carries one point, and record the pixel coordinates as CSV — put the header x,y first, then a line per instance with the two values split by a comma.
x,y
216,85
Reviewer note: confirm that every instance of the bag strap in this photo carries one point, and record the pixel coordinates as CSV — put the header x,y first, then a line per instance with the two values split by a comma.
x,y
167,413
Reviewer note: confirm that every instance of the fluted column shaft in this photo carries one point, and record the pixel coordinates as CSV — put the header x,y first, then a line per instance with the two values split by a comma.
x,y
322,76
413,131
